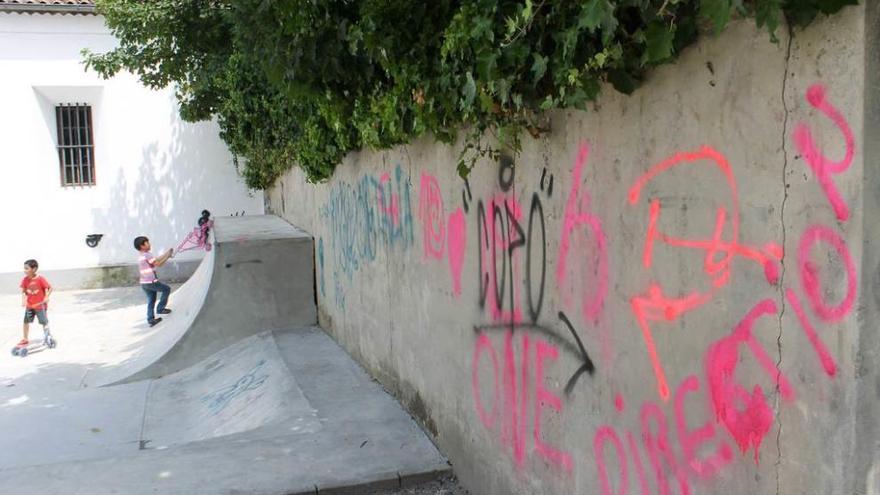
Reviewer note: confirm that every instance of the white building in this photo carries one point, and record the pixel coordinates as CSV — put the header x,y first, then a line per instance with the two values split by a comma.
x,y
83,155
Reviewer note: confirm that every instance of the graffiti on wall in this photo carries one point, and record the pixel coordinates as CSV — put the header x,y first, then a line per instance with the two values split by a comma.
x,y
442,236
667,449
520,338
511,244
371,216
740,409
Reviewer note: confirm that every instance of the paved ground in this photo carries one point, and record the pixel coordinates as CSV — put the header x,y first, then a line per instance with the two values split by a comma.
x,y
284,411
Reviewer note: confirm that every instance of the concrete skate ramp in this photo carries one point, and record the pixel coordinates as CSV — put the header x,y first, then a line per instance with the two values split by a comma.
x,y
237,390
258,277
241,388
275,413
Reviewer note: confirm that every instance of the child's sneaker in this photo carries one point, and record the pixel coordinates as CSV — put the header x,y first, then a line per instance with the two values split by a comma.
x,y
154,322
164,311
22,343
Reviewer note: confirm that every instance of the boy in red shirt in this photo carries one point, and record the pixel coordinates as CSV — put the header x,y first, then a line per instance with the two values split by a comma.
x,y
35,292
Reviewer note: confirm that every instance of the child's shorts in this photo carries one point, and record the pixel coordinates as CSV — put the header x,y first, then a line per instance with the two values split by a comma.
x,y
40,314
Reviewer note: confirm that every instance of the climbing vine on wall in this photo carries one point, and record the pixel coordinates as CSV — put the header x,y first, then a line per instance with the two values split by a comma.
x,y
304,82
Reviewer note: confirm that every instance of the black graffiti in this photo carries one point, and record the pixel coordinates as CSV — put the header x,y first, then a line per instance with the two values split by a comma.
x,y
499,235
588,366
549,186
536,211
575,348
234,263
506,173
513,237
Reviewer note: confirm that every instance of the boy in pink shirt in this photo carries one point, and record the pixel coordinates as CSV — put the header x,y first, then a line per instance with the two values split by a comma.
x,y
147,264
35,292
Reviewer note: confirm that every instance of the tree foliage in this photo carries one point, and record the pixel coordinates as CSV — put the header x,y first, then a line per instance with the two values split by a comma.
x,y
306,81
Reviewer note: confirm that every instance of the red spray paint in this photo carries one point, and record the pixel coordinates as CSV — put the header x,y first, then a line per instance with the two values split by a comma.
x,y
544,398
515,418
691,440
484,346
718,254
822,352
577,215
810,273
603,435
431,214
637,462
659,450
515,377
822,166
438,233
750,425
456,244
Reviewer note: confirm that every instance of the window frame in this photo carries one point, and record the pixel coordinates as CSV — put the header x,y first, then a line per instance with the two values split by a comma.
x,y
74,155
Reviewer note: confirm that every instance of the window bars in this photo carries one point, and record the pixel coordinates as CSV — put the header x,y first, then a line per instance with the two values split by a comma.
x,y
76,148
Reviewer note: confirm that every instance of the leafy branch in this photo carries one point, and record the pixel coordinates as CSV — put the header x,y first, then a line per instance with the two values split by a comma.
x,y
303,82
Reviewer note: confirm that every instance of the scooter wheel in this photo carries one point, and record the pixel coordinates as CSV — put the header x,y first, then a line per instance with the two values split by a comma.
x,y
51,343
15,351
23,352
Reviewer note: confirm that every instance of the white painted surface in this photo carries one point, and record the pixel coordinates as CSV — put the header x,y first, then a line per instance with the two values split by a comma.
x,y
155,173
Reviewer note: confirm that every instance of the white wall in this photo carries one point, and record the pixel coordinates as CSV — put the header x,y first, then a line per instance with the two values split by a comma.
x,y
154,172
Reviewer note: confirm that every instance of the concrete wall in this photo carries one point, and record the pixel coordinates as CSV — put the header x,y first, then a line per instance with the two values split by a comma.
x,y
154,172
675,292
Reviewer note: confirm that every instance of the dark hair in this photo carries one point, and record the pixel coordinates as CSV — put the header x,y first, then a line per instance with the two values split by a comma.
x,y
139,241
32,263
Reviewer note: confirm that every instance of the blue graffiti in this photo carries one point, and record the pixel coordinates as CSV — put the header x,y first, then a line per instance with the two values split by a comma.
x,y
370,216
218,400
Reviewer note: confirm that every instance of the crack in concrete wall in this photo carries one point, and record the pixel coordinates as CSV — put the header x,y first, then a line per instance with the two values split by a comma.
x,y
785,186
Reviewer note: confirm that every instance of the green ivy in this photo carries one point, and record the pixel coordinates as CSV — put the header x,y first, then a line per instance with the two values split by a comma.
x,y
305,81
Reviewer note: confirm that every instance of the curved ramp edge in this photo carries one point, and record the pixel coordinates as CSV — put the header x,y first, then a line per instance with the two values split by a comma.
x,y
262,279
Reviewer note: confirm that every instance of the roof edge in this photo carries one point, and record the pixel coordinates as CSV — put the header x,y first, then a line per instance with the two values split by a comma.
x,y
49,9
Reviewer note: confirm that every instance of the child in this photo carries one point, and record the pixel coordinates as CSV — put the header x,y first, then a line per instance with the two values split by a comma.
x,y
35,292
147,264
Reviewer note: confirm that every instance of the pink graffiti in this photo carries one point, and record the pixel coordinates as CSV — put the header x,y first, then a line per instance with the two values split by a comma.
x,y
822,352
510,404
577,214
456,244
484,346
822,166
515,417
718,256
749,426
604,434
810,273
742,411
637,461
431,215
544,398
390,208
691,440
439,234
659,450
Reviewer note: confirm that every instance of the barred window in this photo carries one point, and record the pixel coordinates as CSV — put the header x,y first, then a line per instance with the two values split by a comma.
x,y
76,148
